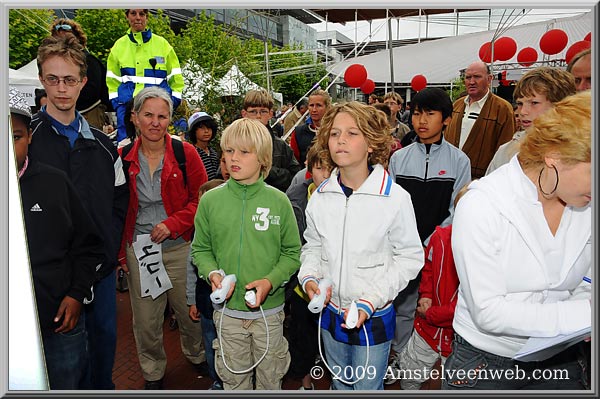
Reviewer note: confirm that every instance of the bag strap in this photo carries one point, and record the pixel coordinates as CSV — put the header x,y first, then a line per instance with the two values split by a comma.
x,y
180,156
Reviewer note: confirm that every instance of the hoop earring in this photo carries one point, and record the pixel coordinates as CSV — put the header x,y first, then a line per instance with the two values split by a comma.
x,y
545,194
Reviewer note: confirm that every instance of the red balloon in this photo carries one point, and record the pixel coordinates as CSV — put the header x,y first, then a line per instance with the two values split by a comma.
x,y
527,56
505,48
368,86
355,75
418,82
588,37
576,48
485,52
554,41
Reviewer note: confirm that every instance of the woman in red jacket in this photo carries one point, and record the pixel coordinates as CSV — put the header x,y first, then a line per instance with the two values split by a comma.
x,y
158,230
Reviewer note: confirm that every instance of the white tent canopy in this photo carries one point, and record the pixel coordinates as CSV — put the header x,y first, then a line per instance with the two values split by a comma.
x,y
441,60
26,80
196,81
233,83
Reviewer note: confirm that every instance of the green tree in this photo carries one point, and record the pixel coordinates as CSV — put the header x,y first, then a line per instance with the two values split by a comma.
x,y
208,51
104,26
458,86
26,30
294,72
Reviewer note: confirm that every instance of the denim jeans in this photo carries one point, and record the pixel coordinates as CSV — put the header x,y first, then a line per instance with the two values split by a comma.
x,y
66,356
101,326
470,368
348,362
209,334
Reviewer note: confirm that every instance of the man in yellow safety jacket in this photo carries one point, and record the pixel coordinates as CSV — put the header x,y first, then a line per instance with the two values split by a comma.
x,y
137,60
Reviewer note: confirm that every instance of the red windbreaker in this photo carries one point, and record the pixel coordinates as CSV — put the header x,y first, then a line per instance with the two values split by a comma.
x,y
439,282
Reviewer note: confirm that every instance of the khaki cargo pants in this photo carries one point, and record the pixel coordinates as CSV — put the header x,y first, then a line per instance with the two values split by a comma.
x,y
244,342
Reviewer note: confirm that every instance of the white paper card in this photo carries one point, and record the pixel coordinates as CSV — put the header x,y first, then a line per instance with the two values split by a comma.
x,y
538,349
153,275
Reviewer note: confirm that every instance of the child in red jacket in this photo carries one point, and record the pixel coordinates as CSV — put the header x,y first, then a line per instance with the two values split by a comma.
x,y
438,293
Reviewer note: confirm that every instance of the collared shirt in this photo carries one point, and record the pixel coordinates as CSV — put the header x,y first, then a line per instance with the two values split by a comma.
x,y
470,116
151,210
71,131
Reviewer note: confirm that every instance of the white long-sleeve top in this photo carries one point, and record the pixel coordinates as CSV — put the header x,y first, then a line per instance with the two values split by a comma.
x,y
517,280
367,244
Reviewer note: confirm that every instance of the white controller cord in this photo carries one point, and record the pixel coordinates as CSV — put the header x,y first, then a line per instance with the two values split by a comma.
x,y
323,357
266,349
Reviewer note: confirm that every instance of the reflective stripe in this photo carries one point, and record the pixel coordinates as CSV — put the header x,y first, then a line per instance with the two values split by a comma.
x,y
176,71
173,74
142,79
176,94
111,75
112,96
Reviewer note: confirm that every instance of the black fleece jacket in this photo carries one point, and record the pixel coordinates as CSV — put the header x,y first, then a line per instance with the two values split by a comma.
x,y
63,243
94,167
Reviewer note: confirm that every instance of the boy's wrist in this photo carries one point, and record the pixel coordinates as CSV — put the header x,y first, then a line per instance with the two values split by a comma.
x,y
221,272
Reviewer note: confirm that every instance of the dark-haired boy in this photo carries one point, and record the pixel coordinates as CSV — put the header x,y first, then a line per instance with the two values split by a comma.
x,y
432,170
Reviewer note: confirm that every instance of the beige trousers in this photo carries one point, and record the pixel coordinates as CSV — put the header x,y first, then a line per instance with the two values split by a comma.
x,y
244,342
148,314
417,358
96,116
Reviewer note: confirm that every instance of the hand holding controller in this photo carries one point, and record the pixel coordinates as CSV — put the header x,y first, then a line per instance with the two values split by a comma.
x,y
250,297
220,294
318,301
352,317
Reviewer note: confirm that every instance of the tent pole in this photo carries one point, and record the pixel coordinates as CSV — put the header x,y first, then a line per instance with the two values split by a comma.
x,y
419,39
267,66
456,26
391,48
355,43
327,41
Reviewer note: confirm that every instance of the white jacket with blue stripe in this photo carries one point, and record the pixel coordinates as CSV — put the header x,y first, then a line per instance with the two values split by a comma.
x,y
367,244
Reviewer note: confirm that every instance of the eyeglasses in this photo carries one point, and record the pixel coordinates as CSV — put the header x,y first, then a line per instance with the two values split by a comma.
x,y
63,27
55,80
255,112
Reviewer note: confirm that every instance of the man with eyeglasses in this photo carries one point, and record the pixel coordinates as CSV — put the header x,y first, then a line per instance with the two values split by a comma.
x,y
62,138
258,104
93,100
140,59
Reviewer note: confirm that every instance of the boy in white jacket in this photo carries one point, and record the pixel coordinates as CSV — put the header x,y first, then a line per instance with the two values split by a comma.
x,y
361,234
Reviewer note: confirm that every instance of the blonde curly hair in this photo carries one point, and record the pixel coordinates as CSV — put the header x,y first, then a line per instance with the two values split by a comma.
x,y
372,123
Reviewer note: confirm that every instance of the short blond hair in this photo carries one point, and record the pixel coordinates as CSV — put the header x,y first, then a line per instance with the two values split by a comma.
x,y
394,96
322,93
66,47
372,123
258,98
554,83
250,135
564,131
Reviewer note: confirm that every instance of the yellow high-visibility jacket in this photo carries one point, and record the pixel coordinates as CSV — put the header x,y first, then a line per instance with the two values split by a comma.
x,y
139,60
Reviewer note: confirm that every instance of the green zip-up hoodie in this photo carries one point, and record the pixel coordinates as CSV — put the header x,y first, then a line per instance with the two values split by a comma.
x,y
250,231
